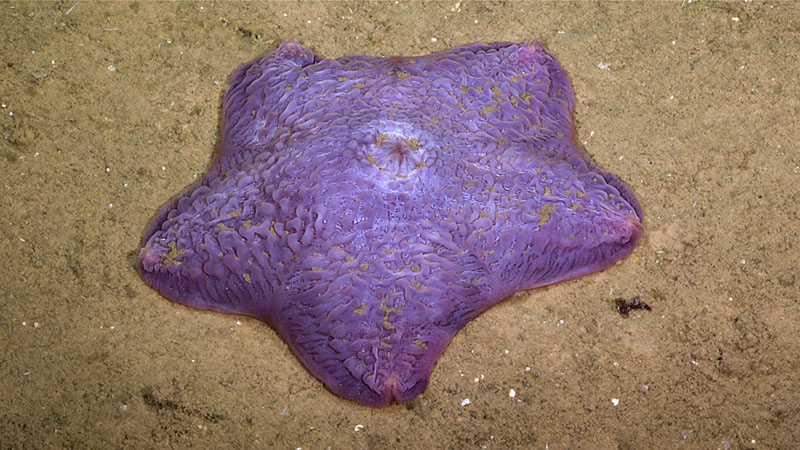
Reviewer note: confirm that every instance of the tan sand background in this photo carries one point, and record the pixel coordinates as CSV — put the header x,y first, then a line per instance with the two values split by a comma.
x,y
110,109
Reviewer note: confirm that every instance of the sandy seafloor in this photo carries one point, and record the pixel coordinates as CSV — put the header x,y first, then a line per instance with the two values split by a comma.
x,y
694,105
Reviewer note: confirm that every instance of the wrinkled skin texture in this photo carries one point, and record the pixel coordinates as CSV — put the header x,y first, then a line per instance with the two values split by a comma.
x,y
368,208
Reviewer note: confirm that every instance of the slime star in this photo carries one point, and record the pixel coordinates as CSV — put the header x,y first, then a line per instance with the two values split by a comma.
x,y
368,208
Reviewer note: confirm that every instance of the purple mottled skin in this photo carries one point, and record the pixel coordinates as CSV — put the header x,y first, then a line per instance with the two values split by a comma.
x,y
368,208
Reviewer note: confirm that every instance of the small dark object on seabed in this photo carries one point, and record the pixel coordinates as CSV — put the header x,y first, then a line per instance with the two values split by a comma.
x,y
625,306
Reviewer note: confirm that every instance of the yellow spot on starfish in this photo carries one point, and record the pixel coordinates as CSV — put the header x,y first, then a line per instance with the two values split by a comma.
x,y
246,277
417,285
413,143
169,258
544,216
386,311
371,159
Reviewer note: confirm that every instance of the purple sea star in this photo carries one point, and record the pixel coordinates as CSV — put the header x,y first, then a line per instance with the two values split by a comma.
x,y
368,208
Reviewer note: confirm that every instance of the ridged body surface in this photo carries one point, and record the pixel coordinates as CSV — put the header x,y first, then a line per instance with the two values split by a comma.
x,y
368,208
